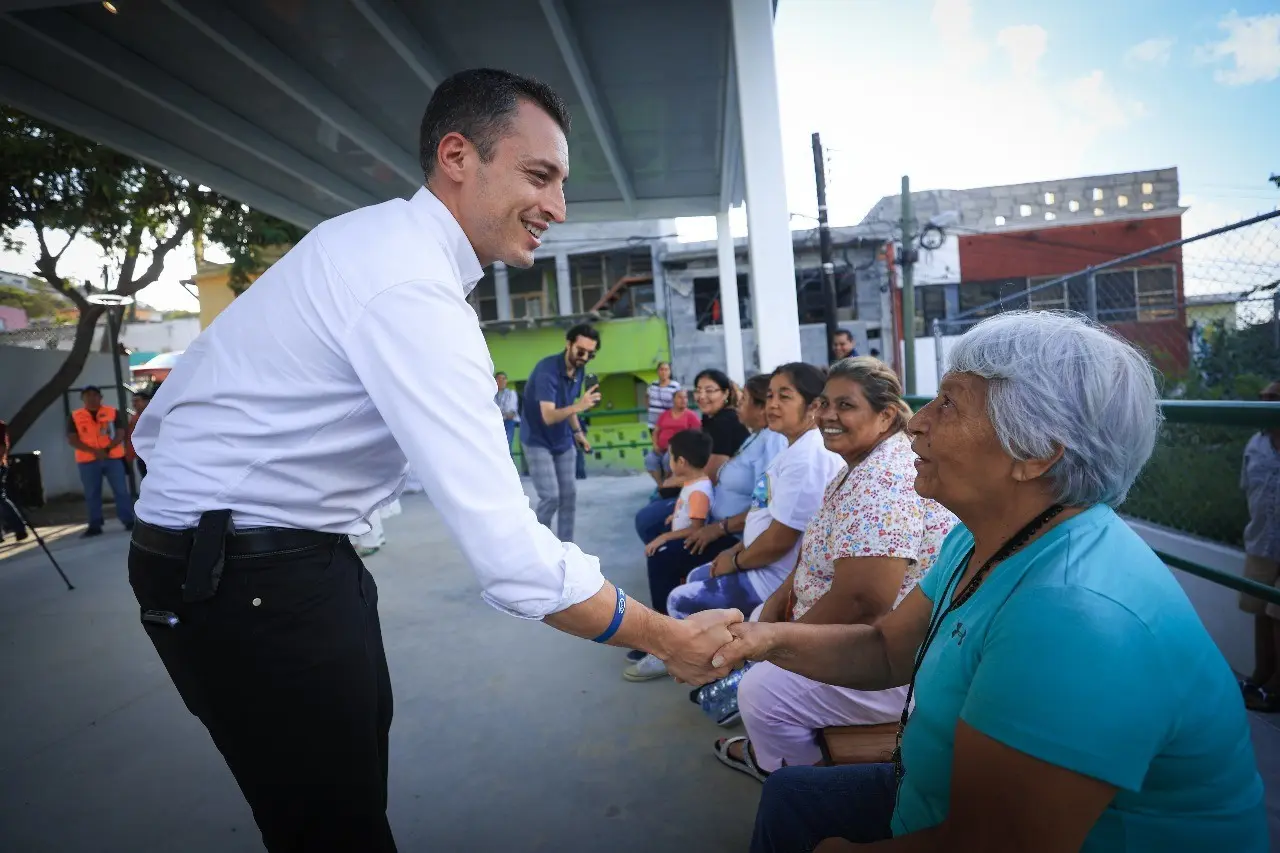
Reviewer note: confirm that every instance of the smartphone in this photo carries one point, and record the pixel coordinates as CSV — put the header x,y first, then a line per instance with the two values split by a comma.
x,y
590,381
160,617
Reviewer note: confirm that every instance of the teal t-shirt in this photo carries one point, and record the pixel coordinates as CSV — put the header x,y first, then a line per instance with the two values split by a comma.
x,y
1083,651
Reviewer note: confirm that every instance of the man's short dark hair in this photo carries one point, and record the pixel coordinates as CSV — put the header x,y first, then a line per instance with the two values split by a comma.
x,y
94,388
691,445
583,330
479,104
844,333
499,373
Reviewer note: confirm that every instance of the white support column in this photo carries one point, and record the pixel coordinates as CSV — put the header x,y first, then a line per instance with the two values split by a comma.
x,y
773,276
564,286
502,290
727,262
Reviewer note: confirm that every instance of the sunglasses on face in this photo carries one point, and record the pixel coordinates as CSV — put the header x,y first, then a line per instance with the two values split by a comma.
x,y
579,352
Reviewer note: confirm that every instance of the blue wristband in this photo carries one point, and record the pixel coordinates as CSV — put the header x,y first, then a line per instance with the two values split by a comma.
x,y
617,618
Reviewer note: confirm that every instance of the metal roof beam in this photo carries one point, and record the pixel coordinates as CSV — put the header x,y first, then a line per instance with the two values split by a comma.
x,y
643,208
562,30
126,68
48,104
730,139
253,49
399,33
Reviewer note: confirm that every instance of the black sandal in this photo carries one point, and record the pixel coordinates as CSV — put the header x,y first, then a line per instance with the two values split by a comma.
x,y
746,764
1263,700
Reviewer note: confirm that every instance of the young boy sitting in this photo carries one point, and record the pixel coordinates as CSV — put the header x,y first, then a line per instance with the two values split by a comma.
x,y
690,452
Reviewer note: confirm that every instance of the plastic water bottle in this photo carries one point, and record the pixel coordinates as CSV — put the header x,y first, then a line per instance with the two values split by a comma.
x,y
719,699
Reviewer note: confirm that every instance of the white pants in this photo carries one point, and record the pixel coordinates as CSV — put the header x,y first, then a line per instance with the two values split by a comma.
x,y
783,713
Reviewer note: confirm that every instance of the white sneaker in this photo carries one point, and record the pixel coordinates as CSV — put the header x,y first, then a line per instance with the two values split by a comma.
x,y
646,669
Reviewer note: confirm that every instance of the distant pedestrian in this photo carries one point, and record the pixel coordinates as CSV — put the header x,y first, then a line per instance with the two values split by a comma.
x,y
661,394
1260,479
9,520
508,403
140,400
97,432
842,345
553,399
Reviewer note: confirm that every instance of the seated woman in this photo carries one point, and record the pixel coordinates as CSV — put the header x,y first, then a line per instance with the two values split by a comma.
x,y
719,405
864,550
784,500
673,420
1067,695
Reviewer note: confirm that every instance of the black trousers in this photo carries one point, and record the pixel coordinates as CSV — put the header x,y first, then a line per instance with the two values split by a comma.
x,y
286,669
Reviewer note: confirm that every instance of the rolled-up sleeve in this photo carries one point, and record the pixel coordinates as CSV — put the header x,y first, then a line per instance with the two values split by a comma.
x,y
419,353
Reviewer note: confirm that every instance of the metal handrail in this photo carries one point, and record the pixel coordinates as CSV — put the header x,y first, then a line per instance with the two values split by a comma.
x,y
1269,594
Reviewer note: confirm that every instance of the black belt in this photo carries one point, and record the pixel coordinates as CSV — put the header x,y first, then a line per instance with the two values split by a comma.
x,y
205,547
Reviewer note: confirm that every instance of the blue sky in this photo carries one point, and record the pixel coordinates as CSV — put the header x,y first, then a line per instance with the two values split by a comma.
x,y
968,93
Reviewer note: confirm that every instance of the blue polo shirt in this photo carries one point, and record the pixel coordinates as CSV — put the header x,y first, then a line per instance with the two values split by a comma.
x,y
1083,651
551,382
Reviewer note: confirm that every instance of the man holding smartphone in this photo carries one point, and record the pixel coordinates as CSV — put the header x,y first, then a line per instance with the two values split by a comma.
x,y
549,431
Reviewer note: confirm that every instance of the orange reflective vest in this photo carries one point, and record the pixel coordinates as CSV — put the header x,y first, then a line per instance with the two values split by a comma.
x,y
95,432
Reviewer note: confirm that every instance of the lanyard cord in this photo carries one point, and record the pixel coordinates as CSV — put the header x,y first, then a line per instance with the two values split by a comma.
x,y
940,614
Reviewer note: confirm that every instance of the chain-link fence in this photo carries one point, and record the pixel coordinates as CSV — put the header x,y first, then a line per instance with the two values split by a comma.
x,y
1206,309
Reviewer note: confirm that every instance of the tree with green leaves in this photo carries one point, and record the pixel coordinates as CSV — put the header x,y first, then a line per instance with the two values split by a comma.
x,y
35,302
68,188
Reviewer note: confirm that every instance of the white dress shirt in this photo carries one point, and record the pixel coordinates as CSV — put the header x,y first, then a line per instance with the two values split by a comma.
x,y
353,357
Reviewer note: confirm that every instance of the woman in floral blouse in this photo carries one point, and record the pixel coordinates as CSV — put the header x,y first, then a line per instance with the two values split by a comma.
x,y
864,550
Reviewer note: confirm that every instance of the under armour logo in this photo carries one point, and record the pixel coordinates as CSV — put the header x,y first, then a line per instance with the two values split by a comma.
x,y
958,633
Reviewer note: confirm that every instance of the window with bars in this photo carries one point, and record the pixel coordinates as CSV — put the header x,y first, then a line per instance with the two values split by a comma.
x,y
1144,295
1011,293
931,304
1141,295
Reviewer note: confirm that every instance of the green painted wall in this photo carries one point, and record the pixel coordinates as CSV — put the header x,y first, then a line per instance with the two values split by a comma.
x,y
630,345
630,350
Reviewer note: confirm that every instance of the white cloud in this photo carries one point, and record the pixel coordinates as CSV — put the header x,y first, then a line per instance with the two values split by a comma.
x,y
965,126
1025,44
1154,51
1097,104
953,20
1253,44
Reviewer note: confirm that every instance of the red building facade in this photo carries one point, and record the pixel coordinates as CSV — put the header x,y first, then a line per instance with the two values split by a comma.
x,y
1142,300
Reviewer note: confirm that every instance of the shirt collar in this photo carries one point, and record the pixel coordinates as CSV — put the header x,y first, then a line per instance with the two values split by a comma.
x,y
452,236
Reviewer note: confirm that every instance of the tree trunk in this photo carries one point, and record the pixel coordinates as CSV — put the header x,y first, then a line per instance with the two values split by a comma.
x,y
65,376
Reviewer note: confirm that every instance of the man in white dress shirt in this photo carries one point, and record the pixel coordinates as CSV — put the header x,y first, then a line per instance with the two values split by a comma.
x,y
298,413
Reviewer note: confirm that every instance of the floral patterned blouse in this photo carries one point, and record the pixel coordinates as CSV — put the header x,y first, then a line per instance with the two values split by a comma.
x,y
874,512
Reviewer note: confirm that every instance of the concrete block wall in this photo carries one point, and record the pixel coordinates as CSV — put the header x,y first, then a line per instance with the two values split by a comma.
x,y
1003,207
22,371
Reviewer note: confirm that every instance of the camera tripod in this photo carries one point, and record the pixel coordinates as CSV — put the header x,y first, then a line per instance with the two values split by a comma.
x,y
17,513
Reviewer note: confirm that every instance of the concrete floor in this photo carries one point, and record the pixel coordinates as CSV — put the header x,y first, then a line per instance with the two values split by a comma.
x,y
507,735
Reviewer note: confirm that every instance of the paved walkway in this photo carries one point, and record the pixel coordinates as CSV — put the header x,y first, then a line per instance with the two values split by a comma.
x,y
507,735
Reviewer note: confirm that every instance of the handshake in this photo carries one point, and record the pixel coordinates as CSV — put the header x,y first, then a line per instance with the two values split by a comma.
x,y
709,645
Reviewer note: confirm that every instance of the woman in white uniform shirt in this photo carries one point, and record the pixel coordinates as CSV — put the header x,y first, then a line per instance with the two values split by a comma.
x,y
785,497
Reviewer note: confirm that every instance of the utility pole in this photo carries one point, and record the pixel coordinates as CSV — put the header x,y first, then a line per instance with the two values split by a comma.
x,y
824,244
908,290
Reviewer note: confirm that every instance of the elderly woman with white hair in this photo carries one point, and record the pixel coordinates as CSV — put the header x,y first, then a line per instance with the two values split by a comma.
x,y
1067,696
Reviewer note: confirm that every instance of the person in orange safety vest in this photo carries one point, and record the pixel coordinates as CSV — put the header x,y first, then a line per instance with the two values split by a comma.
x,y
97,433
